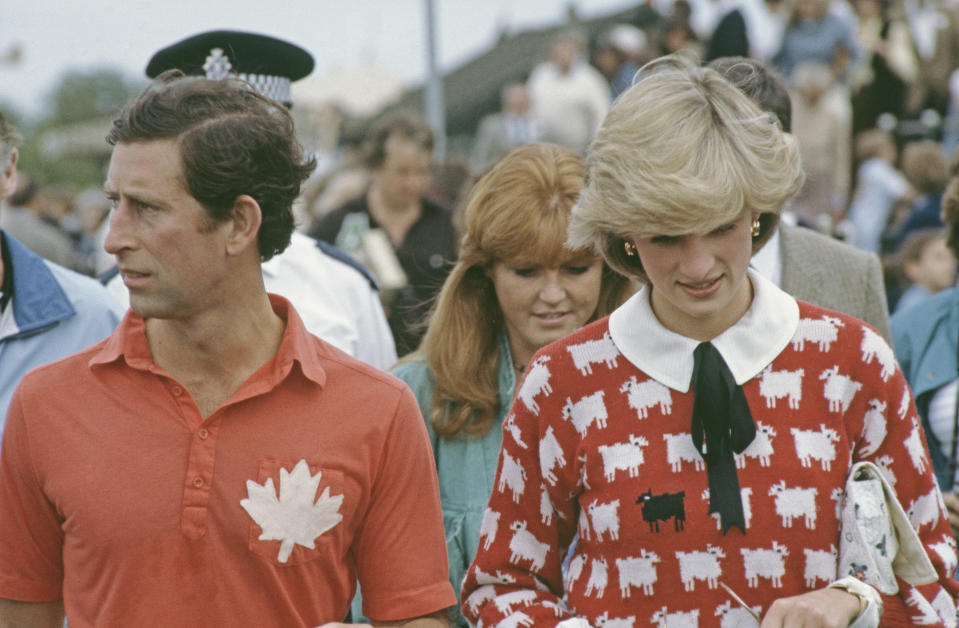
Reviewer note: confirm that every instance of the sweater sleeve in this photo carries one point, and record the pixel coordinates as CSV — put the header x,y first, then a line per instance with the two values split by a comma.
x,y
888,433
530,519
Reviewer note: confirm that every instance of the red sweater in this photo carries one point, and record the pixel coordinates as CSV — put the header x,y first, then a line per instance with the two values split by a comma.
x,y
615,460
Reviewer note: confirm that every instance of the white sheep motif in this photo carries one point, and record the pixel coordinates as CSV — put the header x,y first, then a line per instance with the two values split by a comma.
x,y
781,384
498,578
524,546
479,597
588,410
513,476
677,619
535,383
820,565
875,346
700,565
917,452
506,601
594,352
641,396
637,571
946,549
822,331
515,620
550,455
680,449
510,425
545,506
574,571
838,389
598,578
605,519
745,495
605,621
488,527
885,467
626,456
769,564
904,403
873,427
794,502
735,616
760,448
925,509
819,445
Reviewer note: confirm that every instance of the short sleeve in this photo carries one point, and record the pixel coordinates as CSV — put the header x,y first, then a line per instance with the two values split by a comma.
x,y
31,538
401,546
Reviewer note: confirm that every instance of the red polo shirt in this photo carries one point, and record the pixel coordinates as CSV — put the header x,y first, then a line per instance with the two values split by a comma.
x,y
116,494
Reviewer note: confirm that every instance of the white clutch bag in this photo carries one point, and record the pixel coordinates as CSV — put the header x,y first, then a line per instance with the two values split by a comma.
x,y
876,540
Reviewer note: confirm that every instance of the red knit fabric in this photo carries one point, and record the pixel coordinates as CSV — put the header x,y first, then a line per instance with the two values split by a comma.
x,y
598,446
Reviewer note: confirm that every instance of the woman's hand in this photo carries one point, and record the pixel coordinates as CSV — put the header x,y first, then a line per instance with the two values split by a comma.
x,y
823,608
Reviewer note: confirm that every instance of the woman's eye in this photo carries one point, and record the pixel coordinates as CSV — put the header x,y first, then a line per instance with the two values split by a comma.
x,y
664,239
724,229
525,272
577,270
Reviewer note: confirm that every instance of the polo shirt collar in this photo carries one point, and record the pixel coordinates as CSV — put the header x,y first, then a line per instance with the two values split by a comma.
x,y
296,346
748,346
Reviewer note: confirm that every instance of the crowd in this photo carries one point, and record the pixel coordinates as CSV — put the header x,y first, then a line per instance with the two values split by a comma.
x,y
629,362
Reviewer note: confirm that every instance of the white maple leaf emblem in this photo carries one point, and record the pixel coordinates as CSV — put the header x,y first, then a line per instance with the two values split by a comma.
x,y
293,518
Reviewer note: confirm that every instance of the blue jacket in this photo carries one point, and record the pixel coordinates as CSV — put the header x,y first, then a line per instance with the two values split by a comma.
x,y
53,313
926,338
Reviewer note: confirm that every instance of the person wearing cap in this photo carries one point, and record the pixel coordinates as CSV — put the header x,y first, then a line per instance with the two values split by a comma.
x,y
46,311
336,297
212,463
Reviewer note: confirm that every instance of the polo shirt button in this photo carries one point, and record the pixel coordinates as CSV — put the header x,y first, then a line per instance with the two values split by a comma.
x,y
202,433
177,391
198,482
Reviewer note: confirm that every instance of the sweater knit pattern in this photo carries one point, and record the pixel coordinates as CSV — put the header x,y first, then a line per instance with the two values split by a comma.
x,y
593,444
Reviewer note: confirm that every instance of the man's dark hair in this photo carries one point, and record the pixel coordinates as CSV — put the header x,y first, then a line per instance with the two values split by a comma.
x,y
405,125
761,83
232,141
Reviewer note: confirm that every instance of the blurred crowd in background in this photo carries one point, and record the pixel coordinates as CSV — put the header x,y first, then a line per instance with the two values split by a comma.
x,y
875,107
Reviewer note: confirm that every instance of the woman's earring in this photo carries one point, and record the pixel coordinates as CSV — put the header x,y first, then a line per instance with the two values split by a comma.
x,y
755,228
630,248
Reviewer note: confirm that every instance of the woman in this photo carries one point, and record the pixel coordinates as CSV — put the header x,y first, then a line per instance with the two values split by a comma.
x,y
925,338
700,434
515,288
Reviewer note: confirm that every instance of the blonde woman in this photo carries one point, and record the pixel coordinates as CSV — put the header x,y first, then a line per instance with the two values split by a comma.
x,y
515,288
703,432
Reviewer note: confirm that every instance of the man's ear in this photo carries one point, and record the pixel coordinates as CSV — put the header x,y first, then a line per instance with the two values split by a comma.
x,y
245,220
8,178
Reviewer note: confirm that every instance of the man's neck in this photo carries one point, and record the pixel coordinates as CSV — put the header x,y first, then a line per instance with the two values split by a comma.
x,y
212,354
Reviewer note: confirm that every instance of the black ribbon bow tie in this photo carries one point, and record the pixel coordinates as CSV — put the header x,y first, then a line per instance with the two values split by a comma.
x,y
722,424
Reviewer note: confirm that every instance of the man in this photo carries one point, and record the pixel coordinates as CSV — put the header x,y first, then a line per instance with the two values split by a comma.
x,y
499,133
46,311
212,463
418,232
806,264
335,296
568,95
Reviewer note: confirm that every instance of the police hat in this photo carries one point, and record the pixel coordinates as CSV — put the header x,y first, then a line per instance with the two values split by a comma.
x,y
269,64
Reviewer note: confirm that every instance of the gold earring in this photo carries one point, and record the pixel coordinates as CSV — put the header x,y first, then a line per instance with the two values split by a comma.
x,y
630,248
755,228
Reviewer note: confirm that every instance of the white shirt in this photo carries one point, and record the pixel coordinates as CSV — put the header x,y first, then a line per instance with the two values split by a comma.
x,y
335,301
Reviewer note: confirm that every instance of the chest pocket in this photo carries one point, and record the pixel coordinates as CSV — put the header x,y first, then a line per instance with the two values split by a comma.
x,y
296,512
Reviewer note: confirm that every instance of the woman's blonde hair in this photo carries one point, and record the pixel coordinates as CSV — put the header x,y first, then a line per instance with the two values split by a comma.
x,y
681,152
517,213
